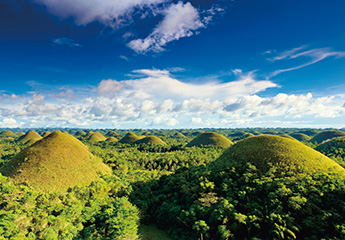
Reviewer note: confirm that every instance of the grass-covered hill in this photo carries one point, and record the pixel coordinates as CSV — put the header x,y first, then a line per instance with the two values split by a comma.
x,y
150,140
7,134
130,138
96,137
55,163
111,139
326,135
29,138
111,133
300,137
80,133
210,138
267,152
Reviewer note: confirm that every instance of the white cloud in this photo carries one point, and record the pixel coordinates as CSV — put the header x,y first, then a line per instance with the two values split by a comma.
x,y
66,42
112,13
313,56
181,20
154,98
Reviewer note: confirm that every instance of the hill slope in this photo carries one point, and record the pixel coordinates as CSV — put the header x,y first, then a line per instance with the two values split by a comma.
x,y
8,134
210,138
266,152
55,163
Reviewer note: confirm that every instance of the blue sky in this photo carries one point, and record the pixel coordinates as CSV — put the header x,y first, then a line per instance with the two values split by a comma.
x,y
172,64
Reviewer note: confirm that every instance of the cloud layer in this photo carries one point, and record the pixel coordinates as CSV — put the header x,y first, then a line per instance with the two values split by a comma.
x,y
155,99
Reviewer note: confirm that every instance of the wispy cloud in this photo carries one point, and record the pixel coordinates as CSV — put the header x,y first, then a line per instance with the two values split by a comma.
x,y
124,58
311,56
67,42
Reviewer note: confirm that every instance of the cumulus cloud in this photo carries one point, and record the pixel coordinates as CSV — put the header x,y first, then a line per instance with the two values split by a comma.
x,y
312,56
180,20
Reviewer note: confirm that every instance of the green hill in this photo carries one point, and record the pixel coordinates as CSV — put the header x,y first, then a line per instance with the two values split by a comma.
x,y
286,136
268,151
111,139
151,140
130,138
89,134
7,134
178,135
300,137
96,137
55,163
29,137
334,149
210,138
326,135
112,134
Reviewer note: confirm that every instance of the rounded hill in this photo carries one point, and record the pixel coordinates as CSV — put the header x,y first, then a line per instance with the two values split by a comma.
x,y
8,134
326,135
29,137
55,163
130,138
210,138
151,140
96,137
111,139
269,152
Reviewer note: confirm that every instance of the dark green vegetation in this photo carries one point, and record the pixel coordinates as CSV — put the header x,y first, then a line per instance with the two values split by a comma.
x,y
55,163
210,138
261,187
326,135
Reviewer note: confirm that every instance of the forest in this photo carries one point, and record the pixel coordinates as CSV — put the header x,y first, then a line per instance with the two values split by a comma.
x,y
150,184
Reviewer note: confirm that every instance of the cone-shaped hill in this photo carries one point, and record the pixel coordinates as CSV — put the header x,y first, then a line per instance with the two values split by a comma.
x,y
112,134
8,134
80,133
178,135
55,163
300,137
283,154
96,137
111,139
151,140
130,138
326,135
29,137
210,138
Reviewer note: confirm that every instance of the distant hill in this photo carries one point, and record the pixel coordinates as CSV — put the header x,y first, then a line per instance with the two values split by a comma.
x,y
80,133
300,137
7,134
268,151
210,138
29,138
151,140
55,163
45,134
112,134
130,138
326,135
96,137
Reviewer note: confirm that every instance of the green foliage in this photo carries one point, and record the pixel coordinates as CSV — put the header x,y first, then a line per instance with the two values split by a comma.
x,y
300,137
335,149
150,140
